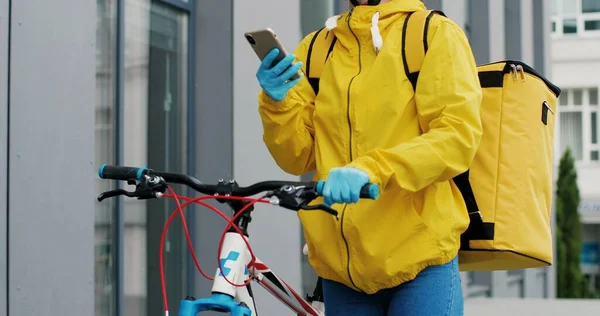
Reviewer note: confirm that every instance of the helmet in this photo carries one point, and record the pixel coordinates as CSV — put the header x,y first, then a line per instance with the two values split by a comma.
x,y
370,2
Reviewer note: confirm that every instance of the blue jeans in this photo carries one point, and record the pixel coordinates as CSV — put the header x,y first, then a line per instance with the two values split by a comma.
x,y
436,291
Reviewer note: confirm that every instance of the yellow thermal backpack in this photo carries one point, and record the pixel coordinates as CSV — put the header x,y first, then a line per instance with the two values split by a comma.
x,y
508,188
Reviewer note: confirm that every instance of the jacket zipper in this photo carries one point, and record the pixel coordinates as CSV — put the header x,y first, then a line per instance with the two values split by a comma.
x,y
350,138
347,247
352,80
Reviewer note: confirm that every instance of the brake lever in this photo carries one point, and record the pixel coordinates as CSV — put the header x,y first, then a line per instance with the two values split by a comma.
x,y
297,198
321,207
147,188
114,193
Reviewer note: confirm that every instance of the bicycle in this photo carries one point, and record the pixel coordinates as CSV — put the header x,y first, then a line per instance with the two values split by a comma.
x,y
236,260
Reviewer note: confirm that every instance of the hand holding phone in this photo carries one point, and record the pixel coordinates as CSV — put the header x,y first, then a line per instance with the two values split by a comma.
x,y
277,80
263,42
277,73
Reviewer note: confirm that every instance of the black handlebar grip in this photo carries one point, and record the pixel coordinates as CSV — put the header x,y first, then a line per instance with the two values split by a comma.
x,y
120,172
369,191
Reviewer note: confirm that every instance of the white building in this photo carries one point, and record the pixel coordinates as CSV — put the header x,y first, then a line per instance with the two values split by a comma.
x,y
576,68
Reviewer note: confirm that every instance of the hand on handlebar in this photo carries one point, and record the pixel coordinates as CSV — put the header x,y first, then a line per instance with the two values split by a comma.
x,y
344,185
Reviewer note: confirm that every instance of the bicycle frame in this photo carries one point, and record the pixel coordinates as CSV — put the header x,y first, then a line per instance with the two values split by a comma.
x,y
235,259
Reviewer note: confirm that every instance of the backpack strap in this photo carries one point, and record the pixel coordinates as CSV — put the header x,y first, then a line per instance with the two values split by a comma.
x,y
317,56
414,43
414,48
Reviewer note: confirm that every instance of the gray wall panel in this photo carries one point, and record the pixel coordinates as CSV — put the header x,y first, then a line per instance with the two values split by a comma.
x,y
4,23
512,25
541,30
539,53
275,232
314,13
51,154
214,123
341,6
433,4
478,29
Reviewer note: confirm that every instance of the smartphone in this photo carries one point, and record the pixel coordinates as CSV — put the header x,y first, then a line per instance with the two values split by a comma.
x,y
263,41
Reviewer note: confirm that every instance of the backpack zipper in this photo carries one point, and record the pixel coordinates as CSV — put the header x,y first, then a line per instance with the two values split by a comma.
x,y
350,138
524,68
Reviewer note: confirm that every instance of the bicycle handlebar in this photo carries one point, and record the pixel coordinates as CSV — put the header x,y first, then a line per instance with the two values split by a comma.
x,y
124,173
287,194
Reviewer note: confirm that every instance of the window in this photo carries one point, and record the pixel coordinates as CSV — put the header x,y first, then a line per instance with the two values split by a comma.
x,y
578,124
152,99
155,107
576,17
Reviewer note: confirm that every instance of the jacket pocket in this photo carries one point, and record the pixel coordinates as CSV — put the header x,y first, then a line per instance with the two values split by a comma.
x,y
388,237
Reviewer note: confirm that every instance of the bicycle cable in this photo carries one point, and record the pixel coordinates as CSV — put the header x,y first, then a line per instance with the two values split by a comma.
x,y
230,221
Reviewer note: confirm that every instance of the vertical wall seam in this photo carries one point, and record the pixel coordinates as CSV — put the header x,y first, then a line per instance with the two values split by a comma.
x,y
8,95
232,90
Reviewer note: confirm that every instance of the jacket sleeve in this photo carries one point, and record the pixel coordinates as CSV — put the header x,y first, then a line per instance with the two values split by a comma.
x,y
288,130
448,100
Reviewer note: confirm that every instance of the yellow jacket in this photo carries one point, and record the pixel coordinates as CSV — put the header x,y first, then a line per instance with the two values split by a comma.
x,y
411,144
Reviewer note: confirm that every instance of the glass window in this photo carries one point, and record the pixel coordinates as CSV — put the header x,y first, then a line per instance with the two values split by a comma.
x,y
571,133
577,97
594,125
105,224
555,7
594,156
592,25
563,99
593,96
589,6
570,26
155,107
569,7
553,26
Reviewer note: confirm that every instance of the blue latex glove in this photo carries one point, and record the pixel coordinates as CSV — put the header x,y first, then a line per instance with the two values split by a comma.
x,y
275,80
343,185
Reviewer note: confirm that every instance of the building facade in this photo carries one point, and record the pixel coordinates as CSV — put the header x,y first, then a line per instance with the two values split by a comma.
x,y
575,67
168,84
